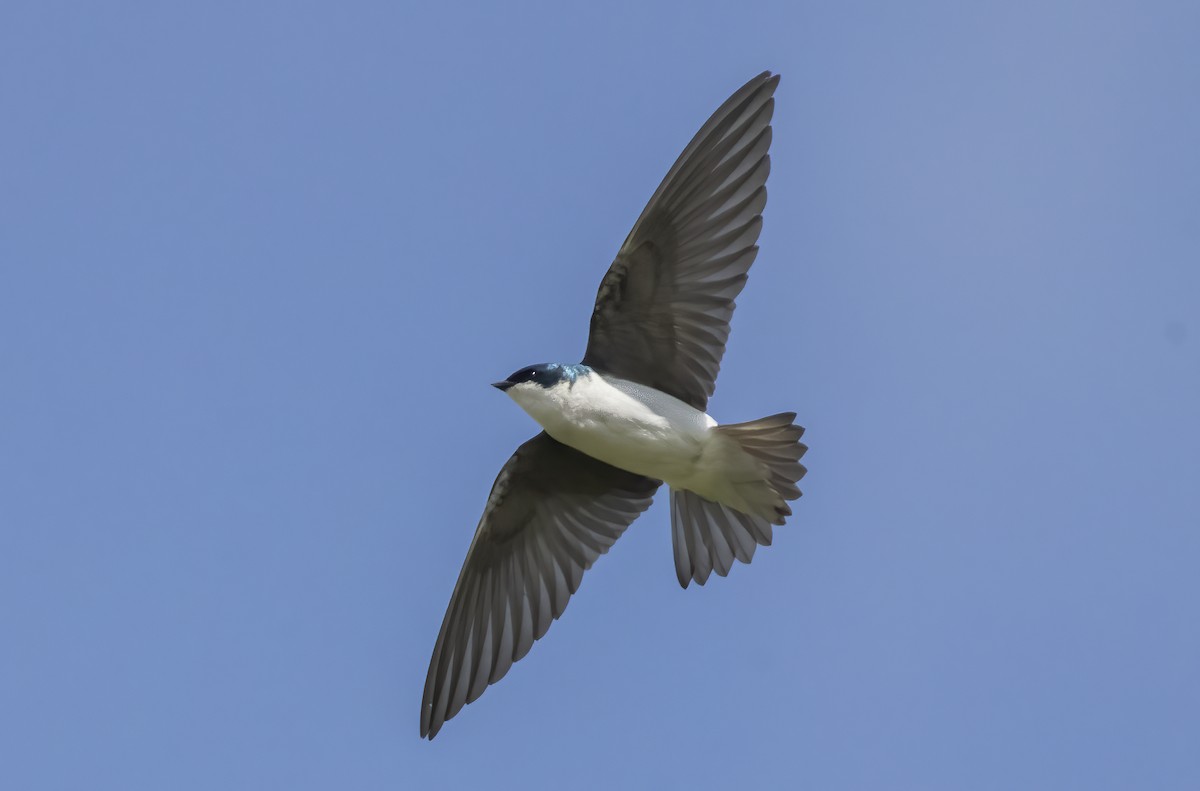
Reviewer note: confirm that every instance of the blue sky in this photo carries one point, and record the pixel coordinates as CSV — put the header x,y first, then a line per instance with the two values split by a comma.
x,y
259,263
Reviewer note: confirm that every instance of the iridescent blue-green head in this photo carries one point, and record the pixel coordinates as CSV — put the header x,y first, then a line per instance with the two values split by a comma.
x,y
545,375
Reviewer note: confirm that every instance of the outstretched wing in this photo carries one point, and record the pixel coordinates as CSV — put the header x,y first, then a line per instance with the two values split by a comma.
x,y
662,312
552,511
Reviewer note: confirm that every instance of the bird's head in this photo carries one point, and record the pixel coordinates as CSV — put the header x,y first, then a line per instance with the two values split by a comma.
x,y
542,375
539,388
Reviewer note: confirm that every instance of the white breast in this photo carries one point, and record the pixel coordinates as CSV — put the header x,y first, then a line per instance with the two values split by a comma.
x,y
631,426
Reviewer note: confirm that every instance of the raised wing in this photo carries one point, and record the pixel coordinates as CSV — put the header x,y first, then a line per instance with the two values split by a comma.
x,y
552,511
662,312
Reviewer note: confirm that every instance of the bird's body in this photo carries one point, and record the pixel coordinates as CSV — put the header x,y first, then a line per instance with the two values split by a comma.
x,y
627,425
630,417
640,429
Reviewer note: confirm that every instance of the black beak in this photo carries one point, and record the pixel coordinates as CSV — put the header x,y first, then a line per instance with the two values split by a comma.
x,y
502,386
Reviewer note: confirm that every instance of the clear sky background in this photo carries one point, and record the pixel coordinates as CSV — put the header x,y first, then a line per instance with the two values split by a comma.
x,y
260,261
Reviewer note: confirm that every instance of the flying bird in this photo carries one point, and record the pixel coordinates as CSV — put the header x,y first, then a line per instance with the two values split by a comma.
x,y
630,417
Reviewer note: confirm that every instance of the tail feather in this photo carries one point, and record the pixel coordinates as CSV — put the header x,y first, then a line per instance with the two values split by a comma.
x,y
708,536
775,442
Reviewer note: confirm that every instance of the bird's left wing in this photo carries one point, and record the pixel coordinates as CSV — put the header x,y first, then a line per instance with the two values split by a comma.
x,y
662,312
552,511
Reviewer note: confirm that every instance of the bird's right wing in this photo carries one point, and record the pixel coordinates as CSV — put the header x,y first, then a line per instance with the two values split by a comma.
x,y
552,511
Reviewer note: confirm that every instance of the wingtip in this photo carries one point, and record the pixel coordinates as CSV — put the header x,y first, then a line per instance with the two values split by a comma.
x,y
430,722
763,81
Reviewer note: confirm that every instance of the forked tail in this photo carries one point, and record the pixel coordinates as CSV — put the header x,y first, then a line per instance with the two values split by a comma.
x,y
708,535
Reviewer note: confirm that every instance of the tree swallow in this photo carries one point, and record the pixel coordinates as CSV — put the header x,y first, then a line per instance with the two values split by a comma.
x,y
631,417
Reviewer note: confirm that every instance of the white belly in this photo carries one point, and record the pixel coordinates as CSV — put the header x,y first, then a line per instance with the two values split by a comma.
x,y
627,425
